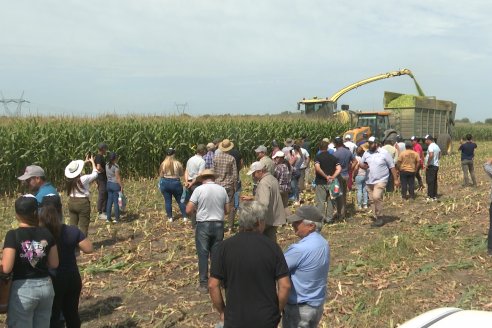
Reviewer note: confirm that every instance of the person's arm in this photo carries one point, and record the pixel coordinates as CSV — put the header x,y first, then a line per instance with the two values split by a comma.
x,y
190,208
99,167
338,169
216,296
8,259
283,290
396,177
53,257
86,246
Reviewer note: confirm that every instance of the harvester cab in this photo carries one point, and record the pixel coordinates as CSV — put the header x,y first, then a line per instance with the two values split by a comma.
x,y
373,124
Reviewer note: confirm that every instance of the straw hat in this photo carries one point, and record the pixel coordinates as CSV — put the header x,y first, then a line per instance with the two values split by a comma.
x,y
226,145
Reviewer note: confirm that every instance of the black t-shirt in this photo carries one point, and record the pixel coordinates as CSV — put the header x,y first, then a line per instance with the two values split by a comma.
x,y
101,161
249,264
237,156
32,246
70,238
328,164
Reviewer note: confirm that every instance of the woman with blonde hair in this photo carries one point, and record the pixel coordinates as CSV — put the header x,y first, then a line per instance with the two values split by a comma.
x,y
170,172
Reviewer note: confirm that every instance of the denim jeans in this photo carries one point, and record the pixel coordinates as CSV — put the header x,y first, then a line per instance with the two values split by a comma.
x,y
30,303
360,183
113,193
294,188
489,240
467,166
170,188
407,180
207,236
301,316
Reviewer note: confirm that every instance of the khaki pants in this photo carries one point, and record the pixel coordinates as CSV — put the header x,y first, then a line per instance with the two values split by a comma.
x,y
376,192
80,213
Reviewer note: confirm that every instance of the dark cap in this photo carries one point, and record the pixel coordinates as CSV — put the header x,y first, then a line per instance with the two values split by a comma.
x,y
428,137
112,156
399,138
338,141
306,212
413,138
170,151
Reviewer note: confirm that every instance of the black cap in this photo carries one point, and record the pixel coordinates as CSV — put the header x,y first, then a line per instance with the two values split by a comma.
x,y
170,151
428,137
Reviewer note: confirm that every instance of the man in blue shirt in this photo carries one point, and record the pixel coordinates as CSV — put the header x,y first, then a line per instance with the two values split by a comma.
x,y
467,149
35,179
308,261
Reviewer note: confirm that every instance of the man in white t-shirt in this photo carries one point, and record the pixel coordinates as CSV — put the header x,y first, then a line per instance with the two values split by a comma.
x,y
431,164
304,169
349,144
211,203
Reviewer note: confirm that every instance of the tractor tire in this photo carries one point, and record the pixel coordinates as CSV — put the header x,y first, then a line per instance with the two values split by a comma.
x,y
390,135
445,143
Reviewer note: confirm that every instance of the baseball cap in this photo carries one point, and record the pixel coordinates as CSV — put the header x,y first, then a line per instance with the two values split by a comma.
x,y
306,212
413,138
256,166
170,151
348,137
32,171
261,149
372,139
210,146
279,154
428,137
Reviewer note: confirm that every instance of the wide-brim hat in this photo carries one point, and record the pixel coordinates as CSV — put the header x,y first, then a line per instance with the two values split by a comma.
x,y
288,142
74,168
226,145
207,173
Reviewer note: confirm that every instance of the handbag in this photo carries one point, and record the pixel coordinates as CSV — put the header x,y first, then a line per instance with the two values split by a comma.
x,y
335,189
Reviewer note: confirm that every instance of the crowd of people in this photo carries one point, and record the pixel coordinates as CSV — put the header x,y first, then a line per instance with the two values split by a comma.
x,y
263,284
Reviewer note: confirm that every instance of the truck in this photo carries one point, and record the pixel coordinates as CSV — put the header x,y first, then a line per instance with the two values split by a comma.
x,y
403,114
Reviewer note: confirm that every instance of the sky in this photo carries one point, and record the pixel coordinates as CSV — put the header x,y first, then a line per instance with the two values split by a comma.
x,y
212,57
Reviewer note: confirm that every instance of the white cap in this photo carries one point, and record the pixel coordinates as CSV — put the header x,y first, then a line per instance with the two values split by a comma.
x,y
279,153
348,136
371,139
256,166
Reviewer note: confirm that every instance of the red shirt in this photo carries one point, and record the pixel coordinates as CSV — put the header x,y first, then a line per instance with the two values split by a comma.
x,y
418,148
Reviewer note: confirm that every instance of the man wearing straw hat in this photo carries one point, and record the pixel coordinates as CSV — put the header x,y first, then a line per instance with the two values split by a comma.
x,y
225,170
211,203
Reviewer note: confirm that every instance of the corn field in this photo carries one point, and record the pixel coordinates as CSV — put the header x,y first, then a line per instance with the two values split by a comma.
x,y
52,142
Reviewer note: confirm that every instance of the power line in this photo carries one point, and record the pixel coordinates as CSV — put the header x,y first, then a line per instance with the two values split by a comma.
x,y
19,102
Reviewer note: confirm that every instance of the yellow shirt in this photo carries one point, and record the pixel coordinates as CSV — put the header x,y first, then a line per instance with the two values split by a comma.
x,y
408,161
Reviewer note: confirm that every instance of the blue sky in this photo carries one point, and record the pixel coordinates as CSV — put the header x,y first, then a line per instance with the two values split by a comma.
x,y
95,57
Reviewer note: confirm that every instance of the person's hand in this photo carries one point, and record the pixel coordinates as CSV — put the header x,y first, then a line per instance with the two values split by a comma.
x,y
247,198
397,183
221,316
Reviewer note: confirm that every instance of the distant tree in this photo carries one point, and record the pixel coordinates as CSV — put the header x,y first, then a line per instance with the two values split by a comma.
x,y
488,121
463,120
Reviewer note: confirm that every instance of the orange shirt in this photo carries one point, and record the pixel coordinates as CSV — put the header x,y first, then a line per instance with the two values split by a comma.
x,y
408,161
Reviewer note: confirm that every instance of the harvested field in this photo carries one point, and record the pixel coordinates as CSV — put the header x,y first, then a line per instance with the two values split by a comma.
x,y
144,271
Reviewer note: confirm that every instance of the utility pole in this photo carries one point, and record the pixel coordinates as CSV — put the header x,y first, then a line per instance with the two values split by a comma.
x,y
19,103
181,108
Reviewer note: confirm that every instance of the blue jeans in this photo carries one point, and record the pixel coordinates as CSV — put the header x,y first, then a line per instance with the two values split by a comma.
x,y
294,188
113,193
30,303
301,316
207,236
489,239
237,193
360,183
170,188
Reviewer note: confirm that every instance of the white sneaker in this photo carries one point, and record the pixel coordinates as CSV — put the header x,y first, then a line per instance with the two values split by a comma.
x,y
185,219
169,219
103,216
364,207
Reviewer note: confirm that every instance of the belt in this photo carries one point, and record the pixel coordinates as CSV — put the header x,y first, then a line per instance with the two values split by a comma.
x,y
214,221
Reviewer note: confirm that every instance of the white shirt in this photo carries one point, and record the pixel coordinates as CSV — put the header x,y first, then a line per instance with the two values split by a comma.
x,y
433,148
351,146
86,181
195,166
305,154
210,200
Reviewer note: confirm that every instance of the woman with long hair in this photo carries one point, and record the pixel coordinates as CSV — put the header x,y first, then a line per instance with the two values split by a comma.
x,y
66,279
28,252
170,172
114,187
77,188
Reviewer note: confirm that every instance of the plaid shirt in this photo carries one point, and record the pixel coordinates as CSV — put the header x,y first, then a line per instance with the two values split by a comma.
x,y
225,170
209,159
283,176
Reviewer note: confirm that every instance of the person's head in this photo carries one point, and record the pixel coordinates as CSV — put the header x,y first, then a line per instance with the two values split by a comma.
x,y
26,209
279,157
257,170
297,148
365,135
338,142
51,214
252,216
373,144
360,151
275,144
206,175
414,140
399,138
469,137
323,146
261,151
113,157
429,139
33,177
408,145
167,166
389,141
72,173
216,142
226,145
288,142
210,146
306,220
201,149
348,137
102,148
